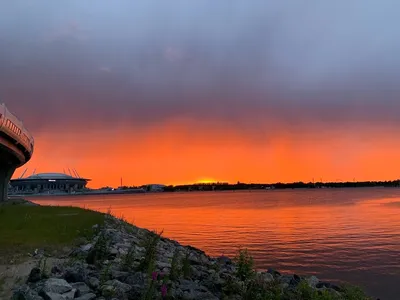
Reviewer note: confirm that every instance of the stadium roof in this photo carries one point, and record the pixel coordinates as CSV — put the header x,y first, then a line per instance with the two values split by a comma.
x,y
51,176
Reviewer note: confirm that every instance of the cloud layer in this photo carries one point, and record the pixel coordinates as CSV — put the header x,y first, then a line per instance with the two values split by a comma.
x,y
149,62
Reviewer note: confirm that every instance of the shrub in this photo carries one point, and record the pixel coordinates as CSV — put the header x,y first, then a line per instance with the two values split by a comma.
x,y
245,265
351,292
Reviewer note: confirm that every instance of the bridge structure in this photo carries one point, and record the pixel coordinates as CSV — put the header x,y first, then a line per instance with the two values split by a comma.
x,y
16,147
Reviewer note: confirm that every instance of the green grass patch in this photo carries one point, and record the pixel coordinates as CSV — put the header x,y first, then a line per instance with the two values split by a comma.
x,y
25,228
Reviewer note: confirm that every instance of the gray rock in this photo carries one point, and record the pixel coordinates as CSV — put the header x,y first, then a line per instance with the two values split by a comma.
x,y
161,265
114,251
93,282
56,285
76,273
108,291
137,279
234,297
194,291
327,285
224,260
56,296
119,275
35,275
71,294
286,279
274,272
295,280
115,288
312,281
25,293
81,288
86,248
89,296
56,270
266,277
120,286
53,296
284,285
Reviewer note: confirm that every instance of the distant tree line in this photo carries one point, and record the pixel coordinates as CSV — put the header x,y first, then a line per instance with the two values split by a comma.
x,y
218,186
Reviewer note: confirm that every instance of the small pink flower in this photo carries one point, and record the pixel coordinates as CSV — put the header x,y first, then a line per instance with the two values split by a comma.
x,y
154,276
164,290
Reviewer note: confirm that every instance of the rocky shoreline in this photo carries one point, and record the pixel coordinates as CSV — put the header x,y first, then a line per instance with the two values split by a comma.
x,y
122,261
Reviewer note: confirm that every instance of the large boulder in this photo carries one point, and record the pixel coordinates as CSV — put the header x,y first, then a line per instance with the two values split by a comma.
x,y
56,285
25,293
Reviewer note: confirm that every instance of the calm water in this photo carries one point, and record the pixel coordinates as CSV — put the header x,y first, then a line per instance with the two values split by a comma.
x,y
346,234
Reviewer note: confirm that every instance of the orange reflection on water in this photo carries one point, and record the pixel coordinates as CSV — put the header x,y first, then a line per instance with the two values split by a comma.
x,y
242,217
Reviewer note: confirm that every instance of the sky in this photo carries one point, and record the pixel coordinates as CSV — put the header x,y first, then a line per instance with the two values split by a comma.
x,y
177,92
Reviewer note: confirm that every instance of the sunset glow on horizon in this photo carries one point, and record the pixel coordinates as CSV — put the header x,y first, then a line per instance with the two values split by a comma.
x,y
177,156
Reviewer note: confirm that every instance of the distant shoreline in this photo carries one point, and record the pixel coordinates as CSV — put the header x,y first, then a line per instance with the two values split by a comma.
x,y
193,188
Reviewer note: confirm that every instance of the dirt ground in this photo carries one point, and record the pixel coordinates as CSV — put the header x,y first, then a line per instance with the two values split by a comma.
x,y
14,274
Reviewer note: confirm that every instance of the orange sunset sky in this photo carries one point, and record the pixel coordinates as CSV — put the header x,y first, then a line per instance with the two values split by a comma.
x,y
174,155
188,91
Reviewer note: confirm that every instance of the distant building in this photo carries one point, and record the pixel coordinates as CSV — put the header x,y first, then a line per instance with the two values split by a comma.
x,y
48,183
154,187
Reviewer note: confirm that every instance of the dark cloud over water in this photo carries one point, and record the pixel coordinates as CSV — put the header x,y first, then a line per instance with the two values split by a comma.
x,y
240,62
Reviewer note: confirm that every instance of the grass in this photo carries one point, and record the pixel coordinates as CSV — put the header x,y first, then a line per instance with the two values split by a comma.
x,y
25,228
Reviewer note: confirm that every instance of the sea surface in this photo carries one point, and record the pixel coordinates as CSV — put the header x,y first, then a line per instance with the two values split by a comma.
x,y
348,235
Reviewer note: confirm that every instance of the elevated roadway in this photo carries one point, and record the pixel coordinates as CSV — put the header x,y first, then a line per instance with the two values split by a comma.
x,y
16,147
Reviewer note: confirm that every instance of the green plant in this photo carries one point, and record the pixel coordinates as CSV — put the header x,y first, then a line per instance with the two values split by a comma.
x,y
109,292
245,265
100,250
105,274
186,267
351,292
257,288
232,287
175,269
304,291
129,258
109,212
147,264
151,288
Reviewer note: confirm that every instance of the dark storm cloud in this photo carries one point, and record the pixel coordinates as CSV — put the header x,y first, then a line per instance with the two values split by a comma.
x,y
241,62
